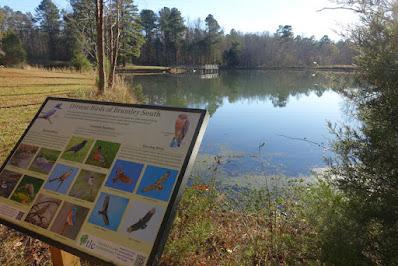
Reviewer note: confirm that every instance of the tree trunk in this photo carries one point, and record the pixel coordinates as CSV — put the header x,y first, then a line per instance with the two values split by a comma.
x,y
114,48
100,45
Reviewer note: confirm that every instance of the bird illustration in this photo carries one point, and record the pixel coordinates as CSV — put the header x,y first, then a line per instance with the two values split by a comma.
x,y
38,216
42,163
90,182
98,156
4,184
143,222
70,219
42,210
104,210
158,185
181,129
47,115
29,189
122,177
61,178
76,148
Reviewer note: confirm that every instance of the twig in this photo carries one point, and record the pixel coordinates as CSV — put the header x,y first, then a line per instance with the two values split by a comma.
x,y
305,140
340,7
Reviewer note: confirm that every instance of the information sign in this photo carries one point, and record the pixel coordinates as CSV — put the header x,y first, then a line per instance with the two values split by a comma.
x,y
101,179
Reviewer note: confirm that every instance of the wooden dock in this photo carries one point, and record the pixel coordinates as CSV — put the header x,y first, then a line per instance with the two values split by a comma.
x,y
206,69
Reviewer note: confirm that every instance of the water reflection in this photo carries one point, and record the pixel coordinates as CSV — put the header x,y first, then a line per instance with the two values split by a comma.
x,y
252,107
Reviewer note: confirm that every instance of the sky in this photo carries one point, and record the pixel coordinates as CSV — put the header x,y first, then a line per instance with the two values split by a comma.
x,y
245,16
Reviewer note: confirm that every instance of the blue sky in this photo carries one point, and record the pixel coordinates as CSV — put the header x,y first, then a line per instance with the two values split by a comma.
x,y
246,16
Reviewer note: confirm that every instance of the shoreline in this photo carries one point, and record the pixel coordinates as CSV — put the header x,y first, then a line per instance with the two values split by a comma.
x,y
159,70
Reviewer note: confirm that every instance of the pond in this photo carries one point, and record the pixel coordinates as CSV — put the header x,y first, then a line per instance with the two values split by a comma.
x,y
268,122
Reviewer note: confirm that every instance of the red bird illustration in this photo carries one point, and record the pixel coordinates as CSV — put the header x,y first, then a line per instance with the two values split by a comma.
x,y
70,219
122,177
98,156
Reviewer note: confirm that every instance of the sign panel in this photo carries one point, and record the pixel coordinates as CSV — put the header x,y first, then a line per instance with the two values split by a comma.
x,y
101,179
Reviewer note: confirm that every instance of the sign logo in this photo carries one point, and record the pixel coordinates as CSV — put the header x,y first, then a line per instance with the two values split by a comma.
x,y
88,243
83,239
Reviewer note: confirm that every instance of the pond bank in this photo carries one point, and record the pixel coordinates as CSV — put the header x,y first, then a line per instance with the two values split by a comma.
x,y
152,70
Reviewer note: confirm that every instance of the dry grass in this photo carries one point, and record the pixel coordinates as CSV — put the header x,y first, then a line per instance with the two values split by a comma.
x,y
23,90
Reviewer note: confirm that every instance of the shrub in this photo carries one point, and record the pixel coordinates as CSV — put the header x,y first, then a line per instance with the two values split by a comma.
x,y
80,62
13,52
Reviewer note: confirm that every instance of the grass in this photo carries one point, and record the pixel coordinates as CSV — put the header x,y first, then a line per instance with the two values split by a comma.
x,y
23,90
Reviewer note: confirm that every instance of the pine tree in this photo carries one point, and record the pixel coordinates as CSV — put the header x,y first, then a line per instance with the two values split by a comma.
x,y
47,15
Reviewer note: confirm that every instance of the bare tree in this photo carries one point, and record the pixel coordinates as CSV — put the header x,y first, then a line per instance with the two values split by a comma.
x,y
100,45
114,40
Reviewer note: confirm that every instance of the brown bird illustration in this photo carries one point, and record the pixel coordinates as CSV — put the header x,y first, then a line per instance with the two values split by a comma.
x,y
91,184
181,129
143,222
122,177
61,178
42,210
30,189
104,210
158,185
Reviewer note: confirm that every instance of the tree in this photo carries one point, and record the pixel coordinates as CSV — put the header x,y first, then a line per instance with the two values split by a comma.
x,y
285,31
149,25
148,22
125,38
131,38
13,52
366,168
99,16
83,27
232,55
47,15
172,27
214,34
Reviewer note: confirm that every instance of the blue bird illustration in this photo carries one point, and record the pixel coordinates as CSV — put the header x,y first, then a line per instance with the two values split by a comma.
x,y
47,115
76,148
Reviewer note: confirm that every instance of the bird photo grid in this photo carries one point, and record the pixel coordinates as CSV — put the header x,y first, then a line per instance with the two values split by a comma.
x,y
102,187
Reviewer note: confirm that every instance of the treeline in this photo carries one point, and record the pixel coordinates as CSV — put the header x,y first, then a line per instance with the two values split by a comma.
x,y
53,36
168,41
57,37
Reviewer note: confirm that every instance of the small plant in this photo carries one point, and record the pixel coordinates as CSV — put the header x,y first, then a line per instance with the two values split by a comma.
x,y
80,62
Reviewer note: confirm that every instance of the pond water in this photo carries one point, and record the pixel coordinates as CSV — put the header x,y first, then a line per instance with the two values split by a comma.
x,y
273,122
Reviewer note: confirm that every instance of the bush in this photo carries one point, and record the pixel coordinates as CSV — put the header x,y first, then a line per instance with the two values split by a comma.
x,y
80,62
13,52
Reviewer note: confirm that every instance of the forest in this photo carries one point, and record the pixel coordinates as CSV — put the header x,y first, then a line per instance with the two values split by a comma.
x,y
54,37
